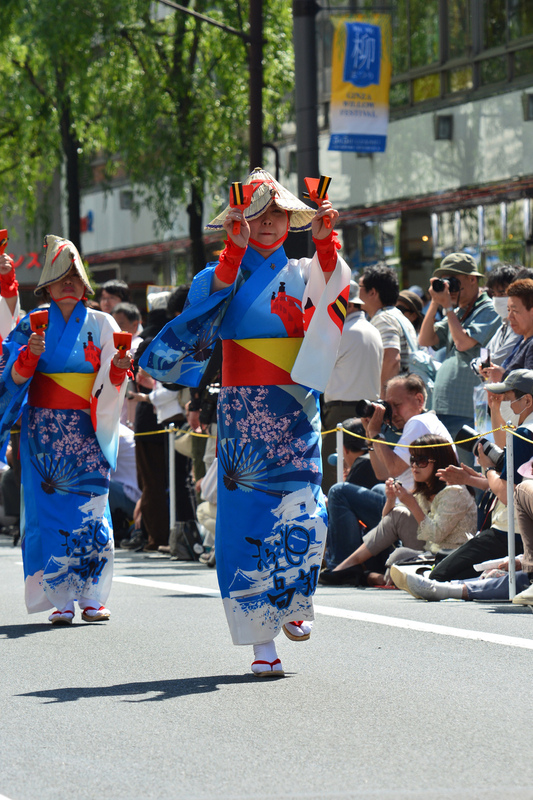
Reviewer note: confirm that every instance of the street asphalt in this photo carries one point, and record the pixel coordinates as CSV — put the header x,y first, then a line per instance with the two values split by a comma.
x,y
390,698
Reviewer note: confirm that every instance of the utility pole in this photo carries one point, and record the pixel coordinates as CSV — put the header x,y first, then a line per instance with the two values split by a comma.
x,y
305,91
255,60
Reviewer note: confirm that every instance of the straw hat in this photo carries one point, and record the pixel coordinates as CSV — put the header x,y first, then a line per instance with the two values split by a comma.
x,y
61,256
268,190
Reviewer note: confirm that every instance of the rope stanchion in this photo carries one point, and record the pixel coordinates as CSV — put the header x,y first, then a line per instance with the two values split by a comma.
x,y
171,476
509,460
422,446
340,453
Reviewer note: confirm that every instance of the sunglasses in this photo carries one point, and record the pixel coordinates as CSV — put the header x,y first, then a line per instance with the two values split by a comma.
x,y
421,461
403,309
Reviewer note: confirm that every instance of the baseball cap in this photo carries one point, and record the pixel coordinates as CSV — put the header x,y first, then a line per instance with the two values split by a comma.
x,y
520,379
457,264
353,297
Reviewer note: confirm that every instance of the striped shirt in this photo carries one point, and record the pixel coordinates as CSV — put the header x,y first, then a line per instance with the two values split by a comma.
x,y
397,333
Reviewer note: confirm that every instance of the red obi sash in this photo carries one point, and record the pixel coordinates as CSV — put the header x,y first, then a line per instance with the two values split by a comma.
x,y
61,390
258,362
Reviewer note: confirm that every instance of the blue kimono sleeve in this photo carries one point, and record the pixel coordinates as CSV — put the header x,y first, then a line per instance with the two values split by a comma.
x,y
12,396
181,351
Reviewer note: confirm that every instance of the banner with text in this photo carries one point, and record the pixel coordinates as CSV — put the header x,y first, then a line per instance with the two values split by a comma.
x,y
360,83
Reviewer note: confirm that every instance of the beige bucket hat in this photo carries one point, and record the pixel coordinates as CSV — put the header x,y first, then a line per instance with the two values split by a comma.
x,y
61,256
269,190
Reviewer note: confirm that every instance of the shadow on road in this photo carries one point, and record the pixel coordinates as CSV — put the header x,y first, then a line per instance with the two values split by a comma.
x,y
18,631
165,690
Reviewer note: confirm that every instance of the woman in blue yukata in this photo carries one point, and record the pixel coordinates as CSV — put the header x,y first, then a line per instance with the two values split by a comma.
x,y
67,380
280,322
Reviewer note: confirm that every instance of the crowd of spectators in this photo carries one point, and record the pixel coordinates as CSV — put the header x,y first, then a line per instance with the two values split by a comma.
x,y
413,369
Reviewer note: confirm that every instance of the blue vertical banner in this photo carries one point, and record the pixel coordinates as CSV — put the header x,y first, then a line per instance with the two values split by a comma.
x,y
360,84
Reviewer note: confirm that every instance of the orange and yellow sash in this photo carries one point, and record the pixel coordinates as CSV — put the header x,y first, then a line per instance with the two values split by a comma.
x,y
258,362
61,390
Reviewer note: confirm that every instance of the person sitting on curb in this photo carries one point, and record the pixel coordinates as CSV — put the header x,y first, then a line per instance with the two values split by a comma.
x,y
348,504
515,399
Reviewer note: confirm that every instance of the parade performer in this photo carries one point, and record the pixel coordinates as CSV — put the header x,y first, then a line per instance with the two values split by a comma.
x,y
280,322
68,383
9,290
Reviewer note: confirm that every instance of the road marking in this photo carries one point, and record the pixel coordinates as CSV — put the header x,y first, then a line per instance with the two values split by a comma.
x,y
359,616
426,627
184,588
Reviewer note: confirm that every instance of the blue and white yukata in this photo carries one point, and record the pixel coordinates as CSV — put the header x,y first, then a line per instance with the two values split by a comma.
x,y
279,322
69,440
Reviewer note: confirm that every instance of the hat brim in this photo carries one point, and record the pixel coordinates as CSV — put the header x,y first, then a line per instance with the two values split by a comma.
x,y
497,388
269,191
451,271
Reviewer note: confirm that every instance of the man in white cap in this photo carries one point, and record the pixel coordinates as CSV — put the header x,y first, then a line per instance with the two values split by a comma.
x,y
355,376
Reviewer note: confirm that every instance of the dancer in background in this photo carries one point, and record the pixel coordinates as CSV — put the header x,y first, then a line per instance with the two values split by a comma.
x,y
68,383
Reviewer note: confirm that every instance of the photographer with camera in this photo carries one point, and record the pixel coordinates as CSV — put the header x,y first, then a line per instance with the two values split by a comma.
x,y
471,320
404,408
350,505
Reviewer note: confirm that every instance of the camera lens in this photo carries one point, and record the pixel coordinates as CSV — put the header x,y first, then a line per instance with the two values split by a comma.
x,y
364,408
438,285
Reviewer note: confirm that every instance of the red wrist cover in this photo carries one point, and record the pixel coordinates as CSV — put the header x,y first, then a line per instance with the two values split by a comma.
x,y
117,374
326,250
26,363
229,262
9,285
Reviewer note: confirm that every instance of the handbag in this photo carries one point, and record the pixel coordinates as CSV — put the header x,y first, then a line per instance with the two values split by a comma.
x,y
183,443
185,542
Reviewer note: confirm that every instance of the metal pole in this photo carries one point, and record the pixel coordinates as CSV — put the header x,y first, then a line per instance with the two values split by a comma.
x,y
172,476
255,55
340,453
305,92
509,461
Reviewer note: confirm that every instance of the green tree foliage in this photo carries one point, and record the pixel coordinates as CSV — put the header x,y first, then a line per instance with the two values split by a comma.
x,y
164,97
184,125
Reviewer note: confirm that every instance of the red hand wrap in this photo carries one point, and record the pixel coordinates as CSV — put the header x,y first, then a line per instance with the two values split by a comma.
x,y
26,363
117,374
326,250
229,262
9,285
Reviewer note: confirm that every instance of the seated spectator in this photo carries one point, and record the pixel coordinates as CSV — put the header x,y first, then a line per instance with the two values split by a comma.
x,y
349,505
493,584
112,293
520,313
491,543
357,469
432,518
379,291
470,323
505,340
356,375
523,500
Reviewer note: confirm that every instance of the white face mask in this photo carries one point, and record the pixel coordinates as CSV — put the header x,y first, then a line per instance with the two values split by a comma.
x,y
508,415
500,306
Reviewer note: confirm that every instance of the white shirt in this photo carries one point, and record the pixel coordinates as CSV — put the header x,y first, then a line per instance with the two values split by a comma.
x,y
357,371
126,471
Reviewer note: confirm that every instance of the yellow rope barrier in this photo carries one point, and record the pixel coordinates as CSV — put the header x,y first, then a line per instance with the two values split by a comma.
x,y
421,446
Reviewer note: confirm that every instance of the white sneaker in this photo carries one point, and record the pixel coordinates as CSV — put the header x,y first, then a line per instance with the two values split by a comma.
x,y
424,589
525,598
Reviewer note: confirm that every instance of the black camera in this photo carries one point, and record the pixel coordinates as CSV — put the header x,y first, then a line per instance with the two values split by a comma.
x,y
491,450
365,408
454,284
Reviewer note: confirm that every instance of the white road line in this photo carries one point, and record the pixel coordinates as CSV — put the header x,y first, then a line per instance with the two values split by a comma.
x,y
184,588
426,627
359,616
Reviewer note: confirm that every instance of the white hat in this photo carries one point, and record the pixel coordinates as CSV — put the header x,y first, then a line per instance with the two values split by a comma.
x,y
61,256
353,297
267,191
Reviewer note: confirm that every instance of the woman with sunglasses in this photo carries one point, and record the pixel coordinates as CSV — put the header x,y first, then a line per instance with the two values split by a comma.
x,y
434,517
